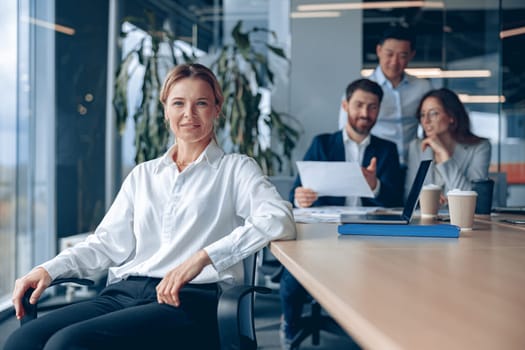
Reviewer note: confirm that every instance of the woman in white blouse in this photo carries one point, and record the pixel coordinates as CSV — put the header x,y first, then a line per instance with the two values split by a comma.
x,y
178,229
458,155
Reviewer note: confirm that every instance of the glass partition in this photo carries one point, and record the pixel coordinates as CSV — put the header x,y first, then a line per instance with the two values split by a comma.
x,y
512,40
51,128
471,49
8,142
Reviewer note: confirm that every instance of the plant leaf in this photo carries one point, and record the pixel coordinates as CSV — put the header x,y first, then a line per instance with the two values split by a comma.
x,y
241,39
277,50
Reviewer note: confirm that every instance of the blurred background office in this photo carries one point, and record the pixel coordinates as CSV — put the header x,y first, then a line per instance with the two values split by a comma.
x,y
62,157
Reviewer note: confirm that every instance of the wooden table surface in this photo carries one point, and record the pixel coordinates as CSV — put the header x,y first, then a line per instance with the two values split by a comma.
x,y
416,293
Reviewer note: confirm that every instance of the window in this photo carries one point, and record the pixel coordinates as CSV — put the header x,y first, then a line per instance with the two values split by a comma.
x,y
8,142
52,128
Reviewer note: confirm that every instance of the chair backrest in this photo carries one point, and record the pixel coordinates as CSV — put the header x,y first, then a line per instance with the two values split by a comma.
x,y
499,198
283,184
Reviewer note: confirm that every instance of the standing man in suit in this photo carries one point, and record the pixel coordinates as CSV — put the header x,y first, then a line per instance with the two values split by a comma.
x,y
402,92
380,166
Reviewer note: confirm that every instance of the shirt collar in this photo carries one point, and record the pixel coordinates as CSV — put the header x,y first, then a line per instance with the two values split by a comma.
x,y
347,139
382,80
211,154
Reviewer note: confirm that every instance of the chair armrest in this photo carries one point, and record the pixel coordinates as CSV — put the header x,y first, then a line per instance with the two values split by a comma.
x,y
31,309
229,317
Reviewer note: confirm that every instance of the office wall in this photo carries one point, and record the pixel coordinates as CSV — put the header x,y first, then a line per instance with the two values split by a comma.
x,y
326,55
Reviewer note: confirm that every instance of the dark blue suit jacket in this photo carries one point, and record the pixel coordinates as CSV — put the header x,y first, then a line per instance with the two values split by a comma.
x,y
330,147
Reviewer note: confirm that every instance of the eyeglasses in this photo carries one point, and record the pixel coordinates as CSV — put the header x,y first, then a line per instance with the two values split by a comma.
x,y
432,115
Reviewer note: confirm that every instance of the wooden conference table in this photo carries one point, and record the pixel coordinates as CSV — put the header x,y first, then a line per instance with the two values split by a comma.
x,y
416,293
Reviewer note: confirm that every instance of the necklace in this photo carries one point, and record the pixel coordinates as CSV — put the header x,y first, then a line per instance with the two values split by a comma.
x,y
181,164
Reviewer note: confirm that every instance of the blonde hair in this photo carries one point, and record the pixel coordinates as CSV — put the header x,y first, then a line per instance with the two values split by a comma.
x,y
191,70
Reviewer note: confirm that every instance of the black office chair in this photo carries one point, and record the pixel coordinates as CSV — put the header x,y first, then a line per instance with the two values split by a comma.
x,y
235,315
313,323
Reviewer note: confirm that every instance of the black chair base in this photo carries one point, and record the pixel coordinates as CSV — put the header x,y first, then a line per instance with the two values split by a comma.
x,y
313,324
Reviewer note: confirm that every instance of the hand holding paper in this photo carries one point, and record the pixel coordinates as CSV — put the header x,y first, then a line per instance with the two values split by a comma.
x,y
305,196
340,179
370,173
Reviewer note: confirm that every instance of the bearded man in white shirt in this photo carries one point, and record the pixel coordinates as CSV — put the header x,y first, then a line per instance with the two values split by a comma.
x,y
177,231
397,120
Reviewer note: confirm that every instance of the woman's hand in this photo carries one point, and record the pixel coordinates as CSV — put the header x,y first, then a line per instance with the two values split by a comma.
x,y
443,199
168,289
305,197
39,279
441,153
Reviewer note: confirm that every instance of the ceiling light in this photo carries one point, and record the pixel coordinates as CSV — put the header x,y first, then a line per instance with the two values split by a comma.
x,y
315,14
45,24
511,32
439,73
466,98
370,5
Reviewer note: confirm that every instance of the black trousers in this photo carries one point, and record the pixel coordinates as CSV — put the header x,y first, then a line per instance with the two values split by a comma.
x,y
126,315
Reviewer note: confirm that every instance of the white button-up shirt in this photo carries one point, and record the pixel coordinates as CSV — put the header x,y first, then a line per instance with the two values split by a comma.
x,y
355,152
160,217
397,120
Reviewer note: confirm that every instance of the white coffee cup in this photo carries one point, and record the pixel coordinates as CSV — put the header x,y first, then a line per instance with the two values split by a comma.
x,y
429,200
461,206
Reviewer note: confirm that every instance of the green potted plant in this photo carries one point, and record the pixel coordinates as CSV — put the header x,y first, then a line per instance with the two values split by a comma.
x,y
242,71
150,59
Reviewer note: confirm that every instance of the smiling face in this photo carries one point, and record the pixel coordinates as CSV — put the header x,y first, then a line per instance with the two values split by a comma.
x,y
191,110
433,118
362,109
394,56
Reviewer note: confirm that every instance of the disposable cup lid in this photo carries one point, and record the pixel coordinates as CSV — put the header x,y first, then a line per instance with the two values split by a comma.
x,y
458,192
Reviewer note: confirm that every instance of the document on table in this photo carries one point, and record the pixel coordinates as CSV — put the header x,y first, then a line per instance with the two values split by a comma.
x,y
340,179
328,213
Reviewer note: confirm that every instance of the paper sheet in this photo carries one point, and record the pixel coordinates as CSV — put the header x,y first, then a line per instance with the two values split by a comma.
x,y
328,213
340,179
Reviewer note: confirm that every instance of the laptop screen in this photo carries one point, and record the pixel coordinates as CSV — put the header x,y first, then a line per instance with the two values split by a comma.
x,y
413,195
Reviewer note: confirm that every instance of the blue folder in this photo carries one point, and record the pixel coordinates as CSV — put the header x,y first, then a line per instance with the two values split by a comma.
x,y
438,230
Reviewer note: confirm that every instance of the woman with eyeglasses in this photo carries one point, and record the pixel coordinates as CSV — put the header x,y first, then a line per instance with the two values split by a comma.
x,y
458,155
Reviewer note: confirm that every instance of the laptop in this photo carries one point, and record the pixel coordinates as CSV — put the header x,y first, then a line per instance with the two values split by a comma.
x,y
509,210
394,218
